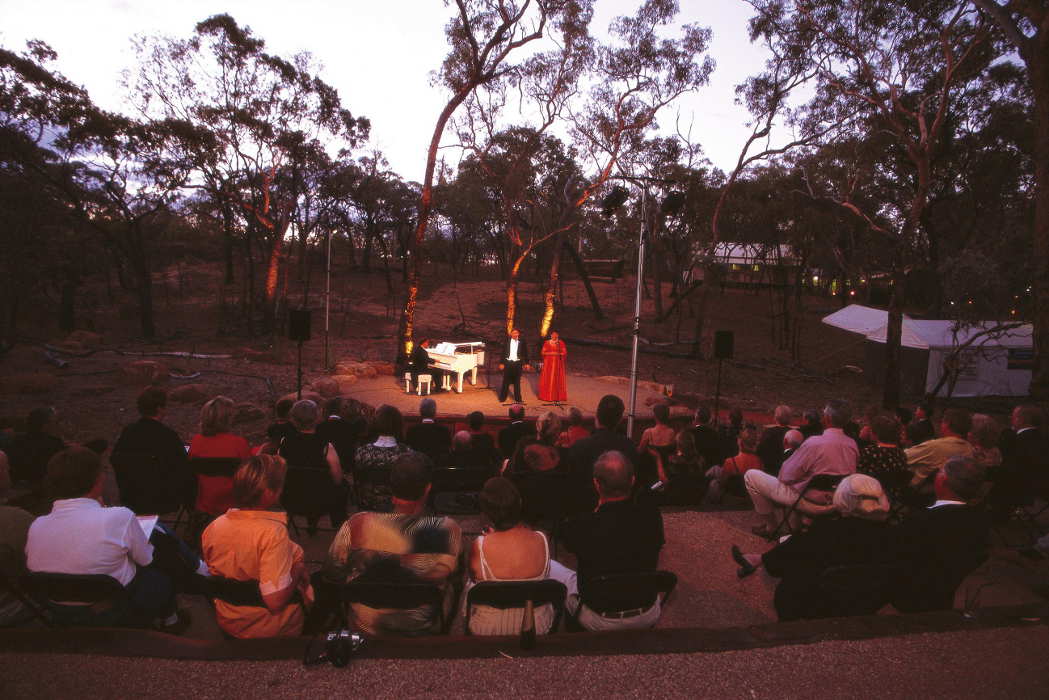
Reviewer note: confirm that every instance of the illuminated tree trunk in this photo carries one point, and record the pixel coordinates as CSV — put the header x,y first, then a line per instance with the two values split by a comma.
x,y
550,297
511,290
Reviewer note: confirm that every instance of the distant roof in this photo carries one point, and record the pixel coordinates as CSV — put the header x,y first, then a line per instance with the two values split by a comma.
x,y
858,319
753,253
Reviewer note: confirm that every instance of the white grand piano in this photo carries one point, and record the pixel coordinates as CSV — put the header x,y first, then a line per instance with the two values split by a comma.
x,y
459,358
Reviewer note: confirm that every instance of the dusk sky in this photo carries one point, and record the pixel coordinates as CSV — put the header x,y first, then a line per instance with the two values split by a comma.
x,y
379,55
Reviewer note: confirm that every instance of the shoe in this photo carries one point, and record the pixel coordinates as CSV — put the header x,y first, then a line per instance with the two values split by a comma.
x,y
179,627
745,567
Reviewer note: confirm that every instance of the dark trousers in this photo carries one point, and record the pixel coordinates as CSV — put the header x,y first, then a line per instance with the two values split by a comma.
x,y
511,377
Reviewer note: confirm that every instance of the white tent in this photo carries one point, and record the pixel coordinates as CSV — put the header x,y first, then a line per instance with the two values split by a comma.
x,y
994,363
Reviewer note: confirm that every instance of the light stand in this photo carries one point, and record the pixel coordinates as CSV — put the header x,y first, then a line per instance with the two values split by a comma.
x,y
637,314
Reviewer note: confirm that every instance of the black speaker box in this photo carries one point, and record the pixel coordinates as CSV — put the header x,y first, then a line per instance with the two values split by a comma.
x,y
299,324
723,342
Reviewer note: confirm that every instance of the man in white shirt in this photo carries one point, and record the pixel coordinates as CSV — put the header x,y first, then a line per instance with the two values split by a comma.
x,y
513,361
81,536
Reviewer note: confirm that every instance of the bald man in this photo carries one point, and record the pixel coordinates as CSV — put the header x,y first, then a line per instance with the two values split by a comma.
x,y
621,535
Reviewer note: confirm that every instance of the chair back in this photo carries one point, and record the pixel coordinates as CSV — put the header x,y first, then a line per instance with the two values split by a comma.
x,y
214,481
516,594
78,589
214,466
458,479
232,591
613,593
147,483
307,491
383,595
825,482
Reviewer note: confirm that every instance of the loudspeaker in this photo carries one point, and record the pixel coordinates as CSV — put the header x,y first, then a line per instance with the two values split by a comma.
x,y
299,324
723,342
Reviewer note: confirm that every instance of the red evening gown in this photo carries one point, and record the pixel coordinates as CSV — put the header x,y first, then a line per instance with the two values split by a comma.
x,y
552,383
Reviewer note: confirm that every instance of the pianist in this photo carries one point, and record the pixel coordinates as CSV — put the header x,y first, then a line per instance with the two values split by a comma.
x,y
419,364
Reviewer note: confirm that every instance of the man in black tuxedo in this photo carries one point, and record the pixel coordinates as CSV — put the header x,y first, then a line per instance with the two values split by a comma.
x,y
1023,473
708,444
429,437
513,360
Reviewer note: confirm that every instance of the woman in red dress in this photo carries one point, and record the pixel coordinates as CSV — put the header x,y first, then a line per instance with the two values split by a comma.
x,y
552,383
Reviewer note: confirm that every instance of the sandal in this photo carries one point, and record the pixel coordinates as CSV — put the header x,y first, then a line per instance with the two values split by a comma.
x,y
745,567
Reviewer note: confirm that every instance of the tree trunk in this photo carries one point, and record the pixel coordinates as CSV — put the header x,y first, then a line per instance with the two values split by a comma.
x,y
581,269
1040,248
550,297
227,240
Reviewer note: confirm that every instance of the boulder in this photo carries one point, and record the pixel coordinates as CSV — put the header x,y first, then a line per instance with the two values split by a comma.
x,y
145,372
325,386
86,339
345,382
306,394
189,393
383,368
247,412
30,382
362,370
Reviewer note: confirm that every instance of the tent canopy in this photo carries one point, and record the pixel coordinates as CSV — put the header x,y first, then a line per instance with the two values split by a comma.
x,y
926,334
859,319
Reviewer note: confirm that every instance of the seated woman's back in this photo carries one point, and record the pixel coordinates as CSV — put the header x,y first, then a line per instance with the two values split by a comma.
x,y
518,553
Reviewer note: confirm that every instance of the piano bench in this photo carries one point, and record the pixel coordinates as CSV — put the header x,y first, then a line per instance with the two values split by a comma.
x,y
427,380
407,382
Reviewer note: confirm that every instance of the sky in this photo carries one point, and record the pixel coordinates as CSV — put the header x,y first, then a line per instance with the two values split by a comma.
x,y
380,56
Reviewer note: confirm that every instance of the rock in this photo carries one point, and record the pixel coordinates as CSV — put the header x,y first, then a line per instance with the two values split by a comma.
x,y
189,393
70,346
30,382
247,412
256,355
145,372
86,339
325,386
641,384
345,382
382,367
360,369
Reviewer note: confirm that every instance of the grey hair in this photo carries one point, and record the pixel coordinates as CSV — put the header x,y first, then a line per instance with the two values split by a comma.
x,y
304,414
838,413
427,408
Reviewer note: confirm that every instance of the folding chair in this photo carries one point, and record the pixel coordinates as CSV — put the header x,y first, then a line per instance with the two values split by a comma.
x,y
518,594
147,484
617,593
379,594
308,492
82,599
221,470
819,482
454,490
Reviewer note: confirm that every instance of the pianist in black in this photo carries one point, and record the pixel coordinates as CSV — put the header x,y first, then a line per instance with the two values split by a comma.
x,y
419,364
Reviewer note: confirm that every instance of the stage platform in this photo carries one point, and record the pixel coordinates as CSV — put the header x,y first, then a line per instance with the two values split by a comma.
x,y
584,393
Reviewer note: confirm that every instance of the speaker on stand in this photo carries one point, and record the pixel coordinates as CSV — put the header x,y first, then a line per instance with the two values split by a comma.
x,y
299,331
724,342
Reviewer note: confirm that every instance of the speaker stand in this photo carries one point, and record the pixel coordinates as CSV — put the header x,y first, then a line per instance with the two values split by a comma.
x,y
298,380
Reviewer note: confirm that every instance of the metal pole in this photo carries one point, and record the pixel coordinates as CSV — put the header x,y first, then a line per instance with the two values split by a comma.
x,y
298,381
327,305
717,395
637,313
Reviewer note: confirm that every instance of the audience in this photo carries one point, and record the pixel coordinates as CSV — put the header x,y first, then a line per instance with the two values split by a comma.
x,y
508,550
831,452
250,543
884,459
14,526
985,436
402,546
281,427
925,459
375,460
621,535
684,472
429,437
1024,472
29,452
770,449
605,438
657,443
344,428
860,536
547,431
215,441
149,459
920,428
81,536
575,432
308,454
708,445
727,478
542,482
482,438
813,424
467,454
517,429
792,440
727,434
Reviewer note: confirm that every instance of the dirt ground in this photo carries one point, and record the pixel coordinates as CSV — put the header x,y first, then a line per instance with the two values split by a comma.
x,y
95,399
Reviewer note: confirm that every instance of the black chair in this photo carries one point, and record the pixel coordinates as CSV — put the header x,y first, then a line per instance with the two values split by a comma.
x,y
365,478
148,484
12,585
380,594
517,594
197,520
309,493
819,482
454,490
611,594
82,599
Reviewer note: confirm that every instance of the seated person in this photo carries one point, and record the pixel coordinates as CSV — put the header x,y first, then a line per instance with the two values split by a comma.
x,y
859,536
620,536
944,543
81,536
770,448
404,546
727,478
14,526
542,483
884,459
250,543
419,365
985,436
29,452
344,428
685,472
920,428
926,459
832,452
576,430
150,458
813,424
482,438
508,550
708,444
373,491
547,430
584,454
281,427
517,429
657,444
215,493
306,450
428,436
467,454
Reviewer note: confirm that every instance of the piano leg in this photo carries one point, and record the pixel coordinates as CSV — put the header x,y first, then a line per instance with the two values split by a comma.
x,y
473,375
460,373
446,381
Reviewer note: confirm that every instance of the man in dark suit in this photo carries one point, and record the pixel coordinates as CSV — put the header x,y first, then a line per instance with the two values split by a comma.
x,y
428,437
584,453
514,359
770,449
149,459
517,429
419,364
944,543
708,443
1024,472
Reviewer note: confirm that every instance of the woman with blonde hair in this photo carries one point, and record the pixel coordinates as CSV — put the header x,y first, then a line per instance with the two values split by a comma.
x,y
856,536
727,478
217,441
250,543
